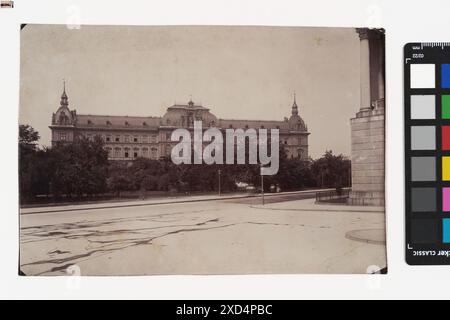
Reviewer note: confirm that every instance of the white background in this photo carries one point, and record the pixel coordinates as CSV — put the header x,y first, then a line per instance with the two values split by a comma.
x,y
404,21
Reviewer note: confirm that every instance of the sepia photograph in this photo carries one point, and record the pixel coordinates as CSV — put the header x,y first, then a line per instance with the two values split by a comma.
x,y
201,150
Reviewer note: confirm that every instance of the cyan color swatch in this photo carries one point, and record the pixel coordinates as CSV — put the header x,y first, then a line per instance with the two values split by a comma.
x,y
445,76
446,230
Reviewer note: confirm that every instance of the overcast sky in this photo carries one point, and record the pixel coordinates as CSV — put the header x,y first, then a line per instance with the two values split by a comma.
x,y
239,72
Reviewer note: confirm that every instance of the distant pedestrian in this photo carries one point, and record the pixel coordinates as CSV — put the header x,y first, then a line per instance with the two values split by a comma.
x,y
142,193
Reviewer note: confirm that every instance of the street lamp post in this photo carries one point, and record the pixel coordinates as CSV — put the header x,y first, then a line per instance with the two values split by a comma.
x,y
350,176
220,191
262,186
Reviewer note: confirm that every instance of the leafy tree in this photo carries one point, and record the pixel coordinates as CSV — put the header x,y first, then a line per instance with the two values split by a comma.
x,y
80,167
331,171
150,183
28,137
28,168
118,182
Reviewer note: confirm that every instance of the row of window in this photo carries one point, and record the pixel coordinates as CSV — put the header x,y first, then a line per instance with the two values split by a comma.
x,y
108,123
132,152
116,138
127,138
153,152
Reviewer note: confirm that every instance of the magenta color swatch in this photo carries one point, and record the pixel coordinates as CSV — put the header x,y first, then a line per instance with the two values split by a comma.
x,y
446,199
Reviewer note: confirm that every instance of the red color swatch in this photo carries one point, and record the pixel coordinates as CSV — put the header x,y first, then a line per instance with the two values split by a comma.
x,y
445,137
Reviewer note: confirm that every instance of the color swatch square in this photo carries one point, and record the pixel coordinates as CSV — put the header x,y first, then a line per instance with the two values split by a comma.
x,y
446,168
423,199
424,231
423,169
423,76
446,230
446,199
445,76
445,137
423,138
423,107
446,107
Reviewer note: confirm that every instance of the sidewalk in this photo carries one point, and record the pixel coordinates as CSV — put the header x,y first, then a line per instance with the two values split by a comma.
x,y
159,201
310,205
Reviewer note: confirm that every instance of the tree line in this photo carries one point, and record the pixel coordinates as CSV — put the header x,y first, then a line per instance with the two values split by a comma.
x,y
81,170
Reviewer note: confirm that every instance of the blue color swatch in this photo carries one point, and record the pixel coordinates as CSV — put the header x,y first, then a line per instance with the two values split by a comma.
x,y
445,76
446,230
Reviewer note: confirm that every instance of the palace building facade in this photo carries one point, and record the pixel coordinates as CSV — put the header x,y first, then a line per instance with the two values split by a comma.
x,y
128,137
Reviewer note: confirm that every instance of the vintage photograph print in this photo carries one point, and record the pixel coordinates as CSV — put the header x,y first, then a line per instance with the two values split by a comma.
x,y
172,150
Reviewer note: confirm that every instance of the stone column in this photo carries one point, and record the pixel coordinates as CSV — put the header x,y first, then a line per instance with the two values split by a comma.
x,y
364,63
367,127
381,70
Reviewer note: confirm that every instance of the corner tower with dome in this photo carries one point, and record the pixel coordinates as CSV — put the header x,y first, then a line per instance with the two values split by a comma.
x,y
129,137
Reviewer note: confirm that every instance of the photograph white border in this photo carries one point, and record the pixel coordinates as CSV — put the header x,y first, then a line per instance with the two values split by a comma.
x,y
403,24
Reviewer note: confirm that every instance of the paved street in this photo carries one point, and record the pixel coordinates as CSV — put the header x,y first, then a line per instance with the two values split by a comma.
x,y
235,236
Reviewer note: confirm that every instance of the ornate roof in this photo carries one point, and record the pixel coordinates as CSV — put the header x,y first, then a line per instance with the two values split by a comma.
x,y
256,124
189,106
177,115
117,121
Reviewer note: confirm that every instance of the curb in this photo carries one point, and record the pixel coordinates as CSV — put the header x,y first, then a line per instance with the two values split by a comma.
x,y
352,235
171,202
319,210
134,205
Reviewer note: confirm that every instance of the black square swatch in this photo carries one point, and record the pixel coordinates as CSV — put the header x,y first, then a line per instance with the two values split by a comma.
x,y
424,231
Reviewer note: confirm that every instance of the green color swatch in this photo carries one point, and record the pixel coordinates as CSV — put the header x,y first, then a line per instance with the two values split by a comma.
x,y
446,107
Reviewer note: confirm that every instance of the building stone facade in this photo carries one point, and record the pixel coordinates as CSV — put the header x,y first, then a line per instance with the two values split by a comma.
x,y
129,137
368,126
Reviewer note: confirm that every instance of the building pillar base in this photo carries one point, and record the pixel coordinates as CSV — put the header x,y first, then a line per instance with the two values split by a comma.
x,y
366,198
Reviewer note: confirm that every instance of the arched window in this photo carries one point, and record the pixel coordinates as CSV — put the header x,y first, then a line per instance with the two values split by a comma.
x,y
127,152
135,152
117,152
154,153
63,118
145,152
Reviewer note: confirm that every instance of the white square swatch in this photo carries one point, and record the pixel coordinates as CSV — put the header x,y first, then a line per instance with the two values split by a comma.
x,y
423,76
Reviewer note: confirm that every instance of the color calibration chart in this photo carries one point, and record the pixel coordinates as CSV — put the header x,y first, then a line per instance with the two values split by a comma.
x,y
427,153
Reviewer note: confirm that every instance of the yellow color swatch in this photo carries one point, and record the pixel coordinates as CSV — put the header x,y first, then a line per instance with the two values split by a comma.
x,y
446,168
